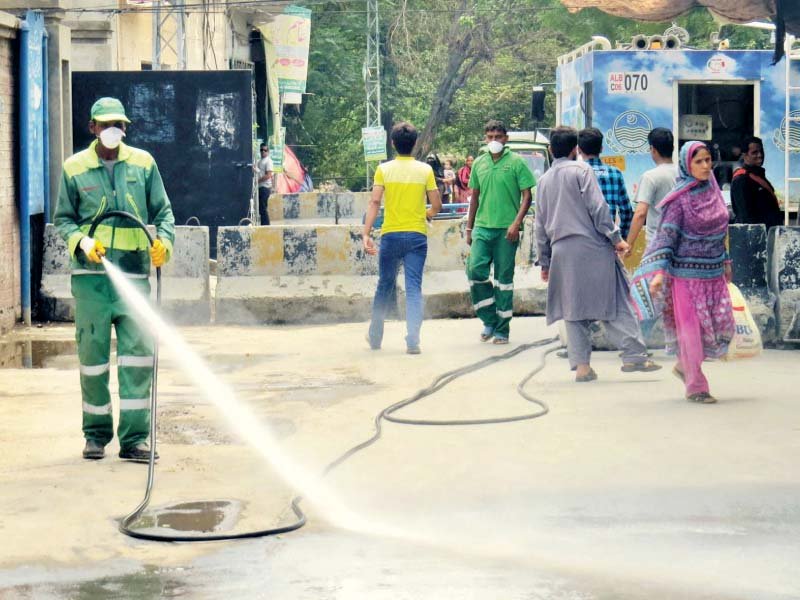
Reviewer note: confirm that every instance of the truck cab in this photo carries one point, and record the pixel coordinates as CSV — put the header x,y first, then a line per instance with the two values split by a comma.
x,y
532,146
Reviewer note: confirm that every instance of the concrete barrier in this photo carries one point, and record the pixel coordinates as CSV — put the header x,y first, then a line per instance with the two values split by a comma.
x,y
186,291
320,273
748,252
317,205
784,279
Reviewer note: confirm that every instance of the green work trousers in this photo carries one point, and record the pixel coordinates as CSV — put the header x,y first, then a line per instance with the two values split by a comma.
x,y
493,302
97,308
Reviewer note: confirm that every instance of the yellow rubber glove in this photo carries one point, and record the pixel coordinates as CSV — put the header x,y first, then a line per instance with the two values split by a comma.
x,y
158,253
93,249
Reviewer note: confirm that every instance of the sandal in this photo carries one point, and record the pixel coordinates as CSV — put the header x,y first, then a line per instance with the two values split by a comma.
x,y
701,398
645,367
500,340
487,334
590,376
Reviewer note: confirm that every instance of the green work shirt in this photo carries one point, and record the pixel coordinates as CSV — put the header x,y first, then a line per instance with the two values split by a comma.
x,y
87,191
500,184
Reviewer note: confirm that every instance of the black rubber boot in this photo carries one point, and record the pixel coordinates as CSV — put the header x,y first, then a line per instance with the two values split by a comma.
x,y
139,453
93,450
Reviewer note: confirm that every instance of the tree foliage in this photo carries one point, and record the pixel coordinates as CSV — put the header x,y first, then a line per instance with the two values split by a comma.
x,y
448,67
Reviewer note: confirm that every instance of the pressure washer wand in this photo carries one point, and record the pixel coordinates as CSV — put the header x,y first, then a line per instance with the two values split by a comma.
x,y
124,525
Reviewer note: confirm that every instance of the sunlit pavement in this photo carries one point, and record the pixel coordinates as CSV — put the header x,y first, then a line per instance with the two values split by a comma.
x,y
623,490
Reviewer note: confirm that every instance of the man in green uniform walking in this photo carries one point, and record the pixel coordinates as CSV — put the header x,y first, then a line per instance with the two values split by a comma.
x,y
501,185
110,175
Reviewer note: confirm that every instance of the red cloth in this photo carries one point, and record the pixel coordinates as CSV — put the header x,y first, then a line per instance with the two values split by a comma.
x,y
294,173
463,177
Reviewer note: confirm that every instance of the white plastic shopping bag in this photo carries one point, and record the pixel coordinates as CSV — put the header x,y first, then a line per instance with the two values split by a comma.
x,y
746,342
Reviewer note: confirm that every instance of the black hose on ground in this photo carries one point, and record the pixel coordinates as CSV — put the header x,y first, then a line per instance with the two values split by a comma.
x,y
445,378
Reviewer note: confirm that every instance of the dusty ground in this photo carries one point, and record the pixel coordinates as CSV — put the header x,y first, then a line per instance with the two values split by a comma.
x,y
623,491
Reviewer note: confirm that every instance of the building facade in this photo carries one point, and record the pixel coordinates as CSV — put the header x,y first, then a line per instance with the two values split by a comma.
x,y
9,216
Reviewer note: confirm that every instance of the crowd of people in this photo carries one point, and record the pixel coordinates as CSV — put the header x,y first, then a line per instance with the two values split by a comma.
x,y
452,183
585,224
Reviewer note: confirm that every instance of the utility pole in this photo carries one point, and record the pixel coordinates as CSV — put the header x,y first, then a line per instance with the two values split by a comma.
x,y
169,31
372,74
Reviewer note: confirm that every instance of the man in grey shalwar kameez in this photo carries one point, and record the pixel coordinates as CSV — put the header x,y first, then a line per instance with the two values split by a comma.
x,y
576,241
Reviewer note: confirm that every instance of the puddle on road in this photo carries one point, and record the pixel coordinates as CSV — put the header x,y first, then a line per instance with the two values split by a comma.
x,y
190,518
38,354
41,354
152,582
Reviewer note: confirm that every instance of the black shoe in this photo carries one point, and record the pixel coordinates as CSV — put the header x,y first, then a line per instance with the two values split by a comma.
x,y
645,367
139,453
93,450
621,354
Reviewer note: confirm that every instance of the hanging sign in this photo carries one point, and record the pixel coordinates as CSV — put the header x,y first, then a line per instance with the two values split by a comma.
x,y
276,151
374,140
288,35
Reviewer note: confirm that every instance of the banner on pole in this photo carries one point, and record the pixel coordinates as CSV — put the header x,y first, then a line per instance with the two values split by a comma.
x,y
276,151
32,112
374,140
286,41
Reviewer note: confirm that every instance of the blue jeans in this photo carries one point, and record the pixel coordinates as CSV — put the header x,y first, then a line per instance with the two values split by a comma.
x,y
410,248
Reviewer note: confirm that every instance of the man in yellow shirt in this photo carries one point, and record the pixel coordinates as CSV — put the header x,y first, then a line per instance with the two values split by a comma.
x,y
405,184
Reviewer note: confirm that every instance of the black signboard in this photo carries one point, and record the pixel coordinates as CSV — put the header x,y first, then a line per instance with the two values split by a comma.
x,y
197,124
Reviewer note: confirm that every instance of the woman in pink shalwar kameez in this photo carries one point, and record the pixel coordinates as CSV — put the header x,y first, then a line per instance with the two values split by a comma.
x,y
686,261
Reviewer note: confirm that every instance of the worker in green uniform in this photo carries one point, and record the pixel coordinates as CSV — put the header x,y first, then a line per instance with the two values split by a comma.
x,y
110,175
501,183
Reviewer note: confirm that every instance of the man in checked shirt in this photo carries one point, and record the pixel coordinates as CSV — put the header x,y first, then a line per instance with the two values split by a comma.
x,y
612,184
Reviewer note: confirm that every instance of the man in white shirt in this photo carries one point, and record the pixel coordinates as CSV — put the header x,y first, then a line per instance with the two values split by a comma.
x,y
655,184
264,171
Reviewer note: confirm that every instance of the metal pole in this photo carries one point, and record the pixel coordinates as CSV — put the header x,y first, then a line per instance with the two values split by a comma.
x,y
156,35
377,34
372,75
180,33
45,131
787,129
24,192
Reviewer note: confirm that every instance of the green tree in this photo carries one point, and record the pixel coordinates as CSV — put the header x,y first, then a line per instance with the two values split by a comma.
x,y
447,68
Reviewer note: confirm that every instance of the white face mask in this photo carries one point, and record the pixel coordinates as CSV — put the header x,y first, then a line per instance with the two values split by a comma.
x,y
495,147
111,137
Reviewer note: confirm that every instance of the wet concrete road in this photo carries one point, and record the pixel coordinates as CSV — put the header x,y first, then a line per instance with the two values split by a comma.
x,y
623,491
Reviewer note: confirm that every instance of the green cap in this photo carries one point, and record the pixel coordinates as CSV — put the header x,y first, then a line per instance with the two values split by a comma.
x,y
109,109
